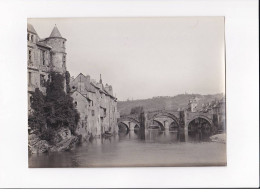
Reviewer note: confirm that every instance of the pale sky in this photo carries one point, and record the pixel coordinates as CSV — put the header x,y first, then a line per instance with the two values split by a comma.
x,y
145,57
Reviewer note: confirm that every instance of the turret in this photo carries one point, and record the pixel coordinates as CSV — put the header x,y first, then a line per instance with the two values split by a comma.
x,y
58,51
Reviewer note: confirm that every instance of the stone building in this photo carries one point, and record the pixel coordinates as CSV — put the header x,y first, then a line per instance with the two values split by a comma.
x,y
43,56
96,104
94,101
193,103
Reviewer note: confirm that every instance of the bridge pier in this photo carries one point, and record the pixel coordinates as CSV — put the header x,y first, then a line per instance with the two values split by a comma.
x,y
186,135
186,128
166,132
166,125
132,126
131,134
186,132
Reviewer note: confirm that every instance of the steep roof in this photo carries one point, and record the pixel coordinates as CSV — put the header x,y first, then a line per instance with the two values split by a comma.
x,y
30,28
55,32
88,87
43,45
72,92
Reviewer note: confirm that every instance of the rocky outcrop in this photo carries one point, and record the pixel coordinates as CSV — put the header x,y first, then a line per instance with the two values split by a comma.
x,y
220,138
66,144
64,133
63,141
36,145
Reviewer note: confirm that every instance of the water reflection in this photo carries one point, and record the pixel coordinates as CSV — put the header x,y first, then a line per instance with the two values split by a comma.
x,y
166,136
127,148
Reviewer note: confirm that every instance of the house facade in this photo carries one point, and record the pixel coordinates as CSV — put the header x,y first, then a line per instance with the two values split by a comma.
x,y
99,114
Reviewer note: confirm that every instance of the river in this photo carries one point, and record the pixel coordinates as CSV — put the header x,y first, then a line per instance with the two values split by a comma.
x,y
126,150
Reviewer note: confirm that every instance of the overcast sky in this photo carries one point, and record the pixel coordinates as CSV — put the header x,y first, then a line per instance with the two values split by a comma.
x,y
145,57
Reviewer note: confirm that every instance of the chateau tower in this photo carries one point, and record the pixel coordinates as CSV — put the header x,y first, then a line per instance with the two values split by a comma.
x,y
58,51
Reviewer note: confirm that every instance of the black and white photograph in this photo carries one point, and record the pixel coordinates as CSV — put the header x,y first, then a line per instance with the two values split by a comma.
x,y
129,94
126,92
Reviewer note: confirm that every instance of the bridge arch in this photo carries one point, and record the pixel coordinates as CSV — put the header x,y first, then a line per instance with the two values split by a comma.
x,y
125,123
173,126
202,117
164,114
201,125
128,119
162,128
129,122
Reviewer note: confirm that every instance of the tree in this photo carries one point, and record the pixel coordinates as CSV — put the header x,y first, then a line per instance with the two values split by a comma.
x,y
60,109
67,78
37,119
53,111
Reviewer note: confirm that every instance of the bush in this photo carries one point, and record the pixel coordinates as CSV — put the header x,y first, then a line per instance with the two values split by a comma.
x,y
53,111
37,120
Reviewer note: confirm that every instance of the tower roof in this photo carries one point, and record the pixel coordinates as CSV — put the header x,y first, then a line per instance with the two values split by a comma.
x,y
30,28
55,32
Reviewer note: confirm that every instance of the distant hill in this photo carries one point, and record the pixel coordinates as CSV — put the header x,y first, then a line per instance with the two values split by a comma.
x,y
165,103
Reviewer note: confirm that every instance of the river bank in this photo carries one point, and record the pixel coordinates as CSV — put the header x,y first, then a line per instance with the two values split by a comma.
x,y
62,141
36,145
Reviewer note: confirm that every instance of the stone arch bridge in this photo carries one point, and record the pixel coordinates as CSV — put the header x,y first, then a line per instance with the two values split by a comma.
x,y
168,120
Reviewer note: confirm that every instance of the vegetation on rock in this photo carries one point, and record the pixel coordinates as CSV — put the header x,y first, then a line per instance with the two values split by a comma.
x,y
53,111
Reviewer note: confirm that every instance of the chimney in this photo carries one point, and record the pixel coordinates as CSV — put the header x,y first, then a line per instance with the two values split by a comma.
x,y
100,80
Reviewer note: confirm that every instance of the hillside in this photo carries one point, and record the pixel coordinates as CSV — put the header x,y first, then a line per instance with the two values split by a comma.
x,y
167,103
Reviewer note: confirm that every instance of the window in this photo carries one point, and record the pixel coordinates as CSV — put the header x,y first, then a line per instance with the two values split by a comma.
x,y
42,80
76,103
28,37
92,112
42,55
30,78
105,112
32,39
30,55
64,59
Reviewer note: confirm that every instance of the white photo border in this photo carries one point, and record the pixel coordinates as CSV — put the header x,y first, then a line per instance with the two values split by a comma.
x,y
242,91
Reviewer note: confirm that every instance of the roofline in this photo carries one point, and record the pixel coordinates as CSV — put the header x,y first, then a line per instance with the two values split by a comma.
x,y
82,95
56,38
104,91
32,32
43,45
77,76
94,85
90,91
